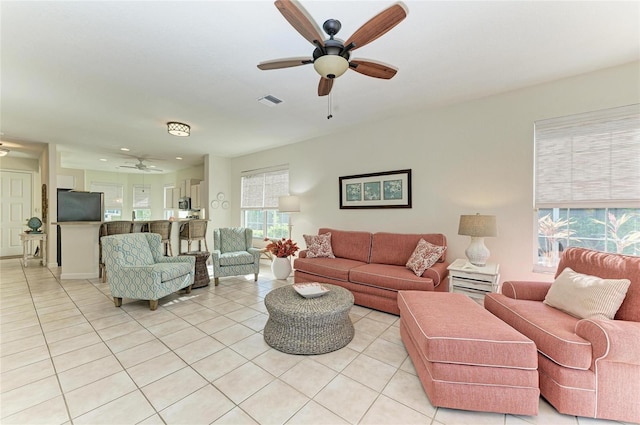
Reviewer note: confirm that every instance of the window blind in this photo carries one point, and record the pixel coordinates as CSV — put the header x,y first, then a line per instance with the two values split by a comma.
x,y
589,160
113,194
141,196
260,190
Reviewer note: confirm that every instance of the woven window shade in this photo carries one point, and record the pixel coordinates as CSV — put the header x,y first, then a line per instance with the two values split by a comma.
x,y
113,194
589,160
261,190
141,196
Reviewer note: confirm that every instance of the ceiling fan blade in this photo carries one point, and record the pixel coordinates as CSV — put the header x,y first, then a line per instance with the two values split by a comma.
x,y
284,63
378,25
299,19
128,166
373,69
324,87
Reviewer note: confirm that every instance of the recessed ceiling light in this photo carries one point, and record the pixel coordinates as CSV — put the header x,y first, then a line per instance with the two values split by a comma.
x,y
124,149
179,157
103,159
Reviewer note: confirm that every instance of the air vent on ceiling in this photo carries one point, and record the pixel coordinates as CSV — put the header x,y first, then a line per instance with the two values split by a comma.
x,y
269,100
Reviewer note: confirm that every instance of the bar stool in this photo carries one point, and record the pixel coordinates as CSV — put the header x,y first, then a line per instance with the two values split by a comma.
x,y
194,230
163,228
110,228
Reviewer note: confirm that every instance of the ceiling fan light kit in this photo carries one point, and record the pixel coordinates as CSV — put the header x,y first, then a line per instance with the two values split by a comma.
x,y
330,66
331,56
178,129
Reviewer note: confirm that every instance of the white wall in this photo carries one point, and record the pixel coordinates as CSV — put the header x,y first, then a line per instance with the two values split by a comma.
x,y
471,157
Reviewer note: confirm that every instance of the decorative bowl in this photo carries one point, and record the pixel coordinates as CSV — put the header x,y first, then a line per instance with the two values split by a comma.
x,y
310,290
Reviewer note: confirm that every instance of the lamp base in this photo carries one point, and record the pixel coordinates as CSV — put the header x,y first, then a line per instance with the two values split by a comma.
x,y
477,252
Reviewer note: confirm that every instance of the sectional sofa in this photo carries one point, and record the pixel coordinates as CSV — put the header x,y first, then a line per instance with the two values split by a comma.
x,y
591,366
373,266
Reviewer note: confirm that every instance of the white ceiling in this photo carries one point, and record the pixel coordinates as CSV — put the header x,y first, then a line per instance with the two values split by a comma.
x,y
95,76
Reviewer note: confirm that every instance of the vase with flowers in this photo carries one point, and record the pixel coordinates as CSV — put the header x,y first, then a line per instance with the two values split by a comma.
x,y
282,249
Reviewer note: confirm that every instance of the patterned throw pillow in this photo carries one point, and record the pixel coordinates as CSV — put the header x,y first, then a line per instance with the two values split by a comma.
x,y
584,296
319,246
424,256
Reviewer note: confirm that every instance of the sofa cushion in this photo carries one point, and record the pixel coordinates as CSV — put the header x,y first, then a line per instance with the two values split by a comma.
x,y
349,244
236,258
585,296
333,268
319,246
608,266
170,271
445,328
552,330
389,277
396,248
136,249
424,256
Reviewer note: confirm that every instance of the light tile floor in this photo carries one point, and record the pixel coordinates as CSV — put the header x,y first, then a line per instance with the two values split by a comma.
x,y
69,356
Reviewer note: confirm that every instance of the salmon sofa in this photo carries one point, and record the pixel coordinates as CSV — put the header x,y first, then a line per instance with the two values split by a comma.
x,y
588,367
373,266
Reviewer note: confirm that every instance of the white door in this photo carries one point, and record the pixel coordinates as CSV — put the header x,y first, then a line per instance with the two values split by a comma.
x,y
15,193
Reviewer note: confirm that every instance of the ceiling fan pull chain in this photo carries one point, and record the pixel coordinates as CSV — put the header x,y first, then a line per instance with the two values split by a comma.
x,y
329,106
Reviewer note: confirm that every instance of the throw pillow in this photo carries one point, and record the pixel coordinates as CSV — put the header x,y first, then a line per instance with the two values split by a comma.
x,y
584,296
424,256
319,245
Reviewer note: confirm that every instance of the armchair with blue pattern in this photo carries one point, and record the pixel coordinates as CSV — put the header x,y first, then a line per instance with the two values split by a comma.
x,y
139,270
234,253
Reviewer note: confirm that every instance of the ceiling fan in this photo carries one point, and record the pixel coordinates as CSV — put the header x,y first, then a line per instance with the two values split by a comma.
x,y
141,166
331,56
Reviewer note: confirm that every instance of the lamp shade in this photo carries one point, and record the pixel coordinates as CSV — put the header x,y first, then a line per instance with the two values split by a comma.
x,y
331,66
478,225
289,204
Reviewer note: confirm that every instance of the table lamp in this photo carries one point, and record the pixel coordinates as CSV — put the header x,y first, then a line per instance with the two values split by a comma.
x,y
289,204
478,227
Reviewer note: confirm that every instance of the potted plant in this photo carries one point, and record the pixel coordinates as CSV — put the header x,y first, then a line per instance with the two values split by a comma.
x,y
282,249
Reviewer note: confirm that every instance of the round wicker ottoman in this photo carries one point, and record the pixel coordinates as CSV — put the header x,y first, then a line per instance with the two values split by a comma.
x,y
298,325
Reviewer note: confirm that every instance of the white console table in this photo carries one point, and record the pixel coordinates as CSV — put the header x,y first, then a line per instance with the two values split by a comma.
x,y
27,247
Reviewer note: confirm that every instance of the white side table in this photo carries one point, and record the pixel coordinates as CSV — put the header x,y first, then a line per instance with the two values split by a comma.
x,y
27,241
474,281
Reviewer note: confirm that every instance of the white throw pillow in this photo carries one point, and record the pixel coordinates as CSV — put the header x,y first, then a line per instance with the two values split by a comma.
x,y
584,296
424,256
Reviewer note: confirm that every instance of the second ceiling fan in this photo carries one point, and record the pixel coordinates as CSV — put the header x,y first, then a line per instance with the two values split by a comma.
x,y
331,56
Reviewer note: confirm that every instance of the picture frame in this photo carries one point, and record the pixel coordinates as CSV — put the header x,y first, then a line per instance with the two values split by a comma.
x,y
387,189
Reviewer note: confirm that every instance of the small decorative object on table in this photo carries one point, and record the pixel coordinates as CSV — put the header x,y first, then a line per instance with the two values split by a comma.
x,y
34,223
282,249
310,290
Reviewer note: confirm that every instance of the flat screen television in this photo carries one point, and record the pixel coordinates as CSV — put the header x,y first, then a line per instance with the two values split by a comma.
x,y
80,206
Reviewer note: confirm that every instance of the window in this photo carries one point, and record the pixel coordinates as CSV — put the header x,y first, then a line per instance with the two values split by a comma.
x,y
587,183
113,194
142,201
168,201
259,202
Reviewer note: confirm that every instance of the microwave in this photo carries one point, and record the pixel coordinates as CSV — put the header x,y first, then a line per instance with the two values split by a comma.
x,y
184,203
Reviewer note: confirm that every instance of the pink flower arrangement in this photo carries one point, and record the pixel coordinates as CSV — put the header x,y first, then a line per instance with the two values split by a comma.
x,y
281,248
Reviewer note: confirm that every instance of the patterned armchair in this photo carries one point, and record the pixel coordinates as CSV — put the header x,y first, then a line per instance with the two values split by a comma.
x,y
234,254
138,270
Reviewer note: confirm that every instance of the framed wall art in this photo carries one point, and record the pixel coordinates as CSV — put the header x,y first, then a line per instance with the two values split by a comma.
x,y
388,189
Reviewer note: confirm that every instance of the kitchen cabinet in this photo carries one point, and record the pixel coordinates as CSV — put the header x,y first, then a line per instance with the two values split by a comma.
x,y
195,196
185,187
